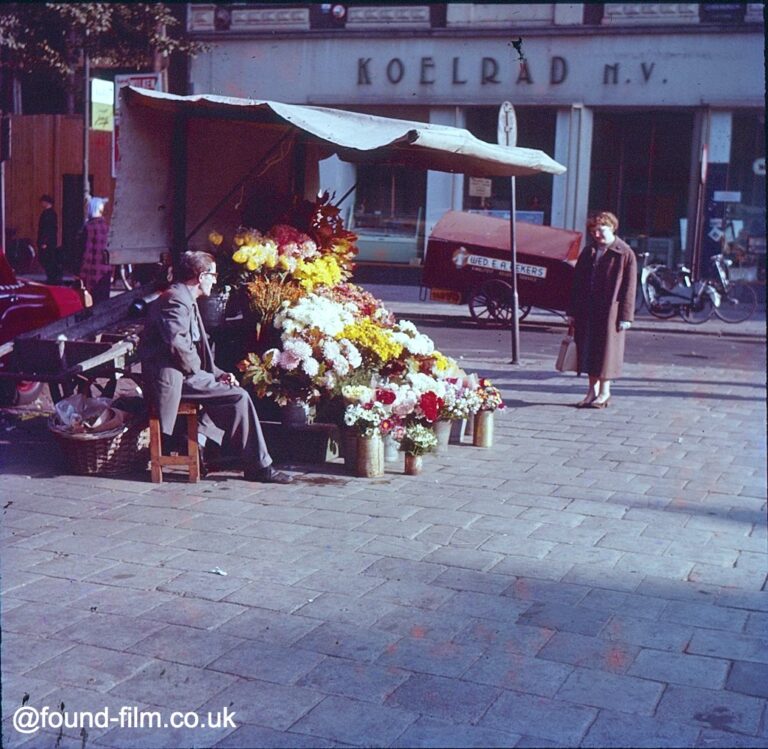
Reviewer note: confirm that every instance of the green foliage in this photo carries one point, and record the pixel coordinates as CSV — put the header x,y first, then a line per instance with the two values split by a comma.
x,y
53,36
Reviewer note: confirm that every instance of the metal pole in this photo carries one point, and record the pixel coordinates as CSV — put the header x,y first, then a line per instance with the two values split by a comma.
x,y
507,136
86,123
513,246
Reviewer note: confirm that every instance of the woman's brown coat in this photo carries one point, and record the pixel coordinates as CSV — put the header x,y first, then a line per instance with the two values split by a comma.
x,y
598,305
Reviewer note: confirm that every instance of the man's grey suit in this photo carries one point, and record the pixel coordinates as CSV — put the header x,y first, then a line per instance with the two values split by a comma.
x,y
176,361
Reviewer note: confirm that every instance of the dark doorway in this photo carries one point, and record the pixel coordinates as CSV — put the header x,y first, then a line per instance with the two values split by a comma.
x,y
72,219
641,165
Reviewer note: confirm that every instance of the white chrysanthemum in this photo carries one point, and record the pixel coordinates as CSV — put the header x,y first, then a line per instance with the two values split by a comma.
x,y
299,348
351,352
340,365
423,383
310,366
313,311
331,349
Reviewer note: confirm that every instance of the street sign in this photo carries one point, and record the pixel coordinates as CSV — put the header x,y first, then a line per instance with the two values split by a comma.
x,y
506,132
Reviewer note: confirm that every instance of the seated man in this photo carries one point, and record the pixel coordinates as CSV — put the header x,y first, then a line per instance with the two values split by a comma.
x,y
177,362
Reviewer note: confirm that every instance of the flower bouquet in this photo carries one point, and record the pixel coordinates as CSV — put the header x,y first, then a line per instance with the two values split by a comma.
x,y
489,395
417,439
491,401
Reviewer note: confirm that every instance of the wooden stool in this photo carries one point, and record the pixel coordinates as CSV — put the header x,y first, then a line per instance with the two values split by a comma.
x,y
191,460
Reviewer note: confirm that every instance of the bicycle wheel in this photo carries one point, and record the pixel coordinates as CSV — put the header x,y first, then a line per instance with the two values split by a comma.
x,y
698,311
651,288
738,303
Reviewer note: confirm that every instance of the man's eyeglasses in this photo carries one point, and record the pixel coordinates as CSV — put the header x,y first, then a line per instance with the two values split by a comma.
x,y
210,273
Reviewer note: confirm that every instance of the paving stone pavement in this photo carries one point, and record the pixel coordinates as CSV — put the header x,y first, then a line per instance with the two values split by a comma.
x,y
597,578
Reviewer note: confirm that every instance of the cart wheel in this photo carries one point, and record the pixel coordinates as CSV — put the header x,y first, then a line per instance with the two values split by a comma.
x,y
492,302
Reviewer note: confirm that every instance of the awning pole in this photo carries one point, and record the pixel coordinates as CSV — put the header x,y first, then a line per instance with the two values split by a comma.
x,y
507,136
513,246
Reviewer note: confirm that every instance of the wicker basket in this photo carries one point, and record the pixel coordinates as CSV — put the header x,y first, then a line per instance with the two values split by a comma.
x,y
108,453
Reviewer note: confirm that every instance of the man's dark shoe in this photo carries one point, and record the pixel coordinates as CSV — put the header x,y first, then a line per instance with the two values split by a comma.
x,y
268,475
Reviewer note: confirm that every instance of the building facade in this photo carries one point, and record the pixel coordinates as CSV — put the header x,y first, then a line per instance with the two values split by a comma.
x,y
656,109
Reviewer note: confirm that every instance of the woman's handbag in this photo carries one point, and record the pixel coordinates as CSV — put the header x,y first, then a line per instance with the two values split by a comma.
x,y
566,357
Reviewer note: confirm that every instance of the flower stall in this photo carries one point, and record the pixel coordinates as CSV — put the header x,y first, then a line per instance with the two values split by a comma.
x,y
318,341
240,178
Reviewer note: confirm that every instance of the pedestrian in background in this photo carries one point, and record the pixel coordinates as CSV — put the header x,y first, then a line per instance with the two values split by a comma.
x,y
602,307
95,271
47,241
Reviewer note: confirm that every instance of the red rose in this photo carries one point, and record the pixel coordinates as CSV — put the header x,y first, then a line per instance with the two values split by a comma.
x,y
385,396
430,405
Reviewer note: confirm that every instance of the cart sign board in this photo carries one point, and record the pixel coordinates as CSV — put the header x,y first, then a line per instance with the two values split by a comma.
x,y
480,187
726,196
152,81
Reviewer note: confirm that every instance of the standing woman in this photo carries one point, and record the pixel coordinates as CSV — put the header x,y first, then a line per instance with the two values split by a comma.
x,y
95,271
602,307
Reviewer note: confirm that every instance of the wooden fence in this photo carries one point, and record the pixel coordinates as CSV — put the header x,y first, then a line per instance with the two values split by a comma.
x,y
46,153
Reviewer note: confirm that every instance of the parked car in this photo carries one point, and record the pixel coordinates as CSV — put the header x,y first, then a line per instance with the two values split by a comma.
x,y
24,306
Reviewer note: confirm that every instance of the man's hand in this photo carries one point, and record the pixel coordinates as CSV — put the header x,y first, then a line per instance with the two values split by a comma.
x,y
227,378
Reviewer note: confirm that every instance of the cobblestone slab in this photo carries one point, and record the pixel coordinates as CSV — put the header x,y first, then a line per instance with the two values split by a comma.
x,y
735,647
268,705
426,732
353,722
452,700
589,652
86,666
539,717
611,691
614,729
431,656
713,709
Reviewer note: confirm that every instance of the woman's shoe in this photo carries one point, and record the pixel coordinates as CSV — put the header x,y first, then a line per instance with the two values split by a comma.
x,y
599,403
586,403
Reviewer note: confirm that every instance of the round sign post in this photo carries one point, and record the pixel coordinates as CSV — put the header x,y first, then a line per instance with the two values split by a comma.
x,y
506,135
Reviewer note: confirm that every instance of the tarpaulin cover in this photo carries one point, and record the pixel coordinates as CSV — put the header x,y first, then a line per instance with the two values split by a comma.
x,y
365,137
459,227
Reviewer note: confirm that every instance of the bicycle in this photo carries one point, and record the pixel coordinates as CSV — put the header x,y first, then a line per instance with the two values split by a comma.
x,y
667,292
738,299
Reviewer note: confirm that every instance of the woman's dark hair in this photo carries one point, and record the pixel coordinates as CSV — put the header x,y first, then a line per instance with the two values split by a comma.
x,y
192,264
46,199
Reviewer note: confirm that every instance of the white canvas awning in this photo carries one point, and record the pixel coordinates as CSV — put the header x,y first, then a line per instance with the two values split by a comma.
x,y
367,138
180,155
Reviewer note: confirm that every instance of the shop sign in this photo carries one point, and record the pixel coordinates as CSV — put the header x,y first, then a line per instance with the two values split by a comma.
x,y
480,187
102,113
504,266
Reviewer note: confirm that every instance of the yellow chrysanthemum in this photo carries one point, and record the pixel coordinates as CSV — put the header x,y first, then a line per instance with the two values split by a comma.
x,y
215,238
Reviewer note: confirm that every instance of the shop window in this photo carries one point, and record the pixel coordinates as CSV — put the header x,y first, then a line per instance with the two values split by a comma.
x,y
535,129
389,200
640,172
744,226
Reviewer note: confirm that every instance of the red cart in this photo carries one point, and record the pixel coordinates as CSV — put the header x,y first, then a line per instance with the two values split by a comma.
x,y
468,261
